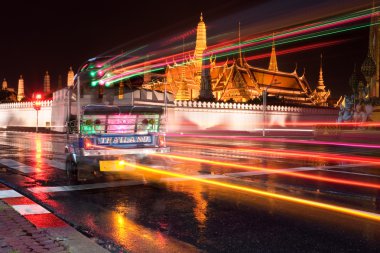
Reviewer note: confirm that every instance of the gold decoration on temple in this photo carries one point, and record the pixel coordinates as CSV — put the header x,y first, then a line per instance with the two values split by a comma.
x,y
273,58
238,81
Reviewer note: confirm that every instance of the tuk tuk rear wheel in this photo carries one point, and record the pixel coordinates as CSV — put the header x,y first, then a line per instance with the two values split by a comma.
x,y
71,170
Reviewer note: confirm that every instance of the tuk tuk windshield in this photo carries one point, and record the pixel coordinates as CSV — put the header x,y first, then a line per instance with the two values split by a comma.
x,y
121,120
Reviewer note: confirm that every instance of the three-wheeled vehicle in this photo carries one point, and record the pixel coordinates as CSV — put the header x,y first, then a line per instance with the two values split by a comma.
x,y
108,136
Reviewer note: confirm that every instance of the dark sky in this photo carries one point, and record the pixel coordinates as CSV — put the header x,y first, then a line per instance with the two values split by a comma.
x,y
52,35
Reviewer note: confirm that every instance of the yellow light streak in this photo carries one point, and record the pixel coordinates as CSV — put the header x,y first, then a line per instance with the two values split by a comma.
x,y
321,205
278,171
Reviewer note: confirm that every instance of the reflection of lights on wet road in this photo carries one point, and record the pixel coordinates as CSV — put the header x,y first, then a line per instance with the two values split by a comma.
x,y
137,238
278,171
38,153
321,205
286,153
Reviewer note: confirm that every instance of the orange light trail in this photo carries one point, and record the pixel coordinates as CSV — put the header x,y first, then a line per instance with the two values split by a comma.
x,y
281,140
289,153
279,171
321,205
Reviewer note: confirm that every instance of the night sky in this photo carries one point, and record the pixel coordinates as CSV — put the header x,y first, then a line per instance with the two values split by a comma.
x,y
53,35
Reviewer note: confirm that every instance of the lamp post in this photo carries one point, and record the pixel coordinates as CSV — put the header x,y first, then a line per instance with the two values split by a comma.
x,y
37,107
265,93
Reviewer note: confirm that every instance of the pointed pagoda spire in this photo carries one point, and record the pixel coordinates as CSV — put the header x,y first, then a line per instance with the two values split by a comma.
x,y
70,77
240,55
47,83
200,44
20,89
4,85
295,69
321,84
273,58
183,72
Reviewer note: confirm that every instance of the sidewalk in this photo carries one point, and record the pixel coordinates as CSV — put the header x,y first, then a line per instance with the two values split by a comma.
x,y
26,226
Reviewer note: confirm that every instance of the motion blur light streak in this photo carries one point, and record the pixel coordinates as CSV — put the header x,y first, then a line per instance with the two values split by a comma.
x,y
280,140
288,153
330,207
343,23
279,171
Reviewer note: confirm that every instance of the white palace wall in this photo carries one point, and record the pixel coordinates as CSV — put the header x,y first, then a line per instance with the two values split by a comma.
x,y
183,116
196,116
22,114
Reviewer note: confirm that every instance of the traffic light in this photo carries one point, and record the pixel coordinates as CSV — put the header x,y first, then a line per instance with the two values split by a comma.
x,y
37,101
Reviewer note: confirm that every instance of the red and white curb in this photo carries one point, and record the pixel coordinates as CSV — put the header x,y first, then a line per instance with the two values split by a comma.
x,y
36,214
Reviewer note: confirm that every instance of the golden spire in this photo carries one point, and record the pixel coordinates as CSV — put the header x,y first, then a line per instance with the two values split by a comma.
x,y
70,77
200,44
273,59
321,83
20,89
183,58
47,83
5,84
240,56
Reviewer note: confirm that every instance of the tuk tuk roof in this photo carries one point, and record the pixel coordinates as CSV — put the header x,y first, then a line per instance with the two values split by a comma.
x,y
111,109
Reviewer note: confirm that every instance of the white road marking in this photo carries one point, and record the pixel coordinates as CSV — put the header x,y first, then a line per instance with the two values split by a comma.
x,y
345,166
54,163
9,194
30,209
82,187
354,173
258,173
17,165
29,169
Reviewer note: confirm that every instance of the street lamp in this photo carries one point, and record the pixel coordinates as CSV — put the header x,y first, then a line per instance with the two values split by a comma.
x,y
265,92
37,106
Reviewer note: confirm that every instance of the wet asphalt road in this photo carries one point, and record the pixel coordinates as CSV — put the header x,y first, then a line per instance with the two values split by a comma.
x,y
148,212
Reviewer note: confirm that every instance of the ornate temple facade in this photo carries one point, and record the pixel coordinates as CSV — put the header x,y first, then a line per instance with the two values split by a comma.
x,y
238,81
374,52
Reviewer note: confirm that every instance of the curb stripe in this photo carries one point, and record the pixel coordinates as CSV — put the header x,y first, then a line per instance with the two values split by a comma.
x,y
18,201
35,213
47,220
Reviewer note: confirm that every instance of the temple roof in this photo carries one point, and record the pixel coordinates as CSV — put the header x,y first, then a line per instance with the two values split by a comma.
x,y
259,78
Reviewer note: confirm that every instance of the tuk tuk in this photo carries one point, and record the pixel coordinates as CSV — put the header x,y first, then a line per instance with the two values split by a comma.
x,y
109,135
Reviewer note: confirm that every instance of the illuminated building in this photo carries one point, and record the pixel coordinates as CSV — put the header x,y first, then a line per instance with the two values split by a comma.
x,y
70,77
4,85
374,53
238,81
46,83
20,89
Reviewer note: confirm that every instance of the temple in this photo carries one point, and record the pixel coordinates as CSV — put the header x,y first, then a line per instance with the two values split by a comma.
x,y
20,89
70,77
238,81
374,53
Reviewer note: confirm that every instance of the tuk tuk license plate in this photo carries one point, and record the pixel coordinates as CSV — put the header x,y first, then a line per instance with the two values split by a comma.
x,y
115,165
